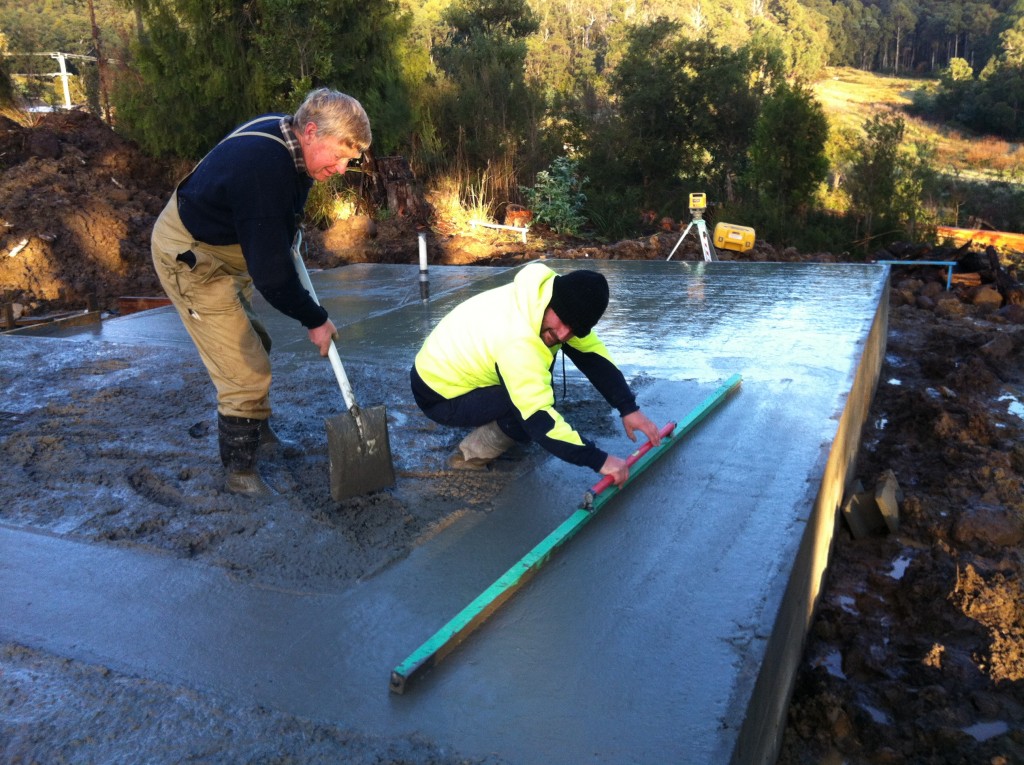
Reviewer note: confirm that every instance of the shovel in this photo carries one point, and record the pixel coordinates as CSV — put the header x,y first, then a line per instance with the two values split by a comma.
x,y
357,441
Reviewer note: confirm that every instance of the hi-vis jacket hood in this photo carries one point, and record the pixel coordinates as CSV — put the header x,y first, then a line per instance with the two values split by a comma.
x,y
494,339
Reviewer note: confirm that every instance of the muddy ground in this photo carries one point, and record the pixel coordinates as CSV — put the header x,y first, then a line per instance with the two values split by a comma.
x,y
916,654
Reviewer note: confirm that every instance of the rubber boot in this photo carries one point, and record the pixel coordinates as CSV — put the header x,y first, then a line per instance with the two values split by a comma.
x,y
239,439
480,448
272,444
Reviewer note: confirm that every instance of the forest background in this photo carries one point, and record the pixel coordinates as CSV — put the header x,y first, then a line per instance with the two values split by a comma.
x,y
601,116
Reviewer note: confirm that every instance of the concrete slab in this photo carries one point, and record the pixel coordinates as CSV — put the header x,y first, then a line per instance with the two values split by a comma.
x,y
352,294
669,630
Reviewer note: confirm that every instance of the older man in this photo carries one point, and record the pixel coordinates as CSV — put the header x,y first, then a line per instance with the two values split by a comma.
x,y
228,228
488,365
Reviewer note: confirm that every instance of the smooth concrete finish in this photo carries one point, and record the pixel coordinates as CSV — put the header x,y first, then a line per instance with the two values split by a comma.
x,y
669,630
353,294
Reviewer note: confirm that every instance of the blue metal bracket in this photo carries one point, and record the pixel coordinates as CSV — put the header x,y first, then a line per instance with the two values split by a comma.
x,y
949,264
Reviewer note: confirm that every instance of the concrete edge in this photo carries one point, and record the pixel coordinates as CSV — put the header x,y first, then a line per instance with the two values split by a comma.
x,y
760,737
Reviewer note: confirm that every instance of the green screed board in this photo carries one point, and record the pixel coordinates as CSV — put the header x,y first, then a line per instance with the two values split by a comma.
x,y
474,614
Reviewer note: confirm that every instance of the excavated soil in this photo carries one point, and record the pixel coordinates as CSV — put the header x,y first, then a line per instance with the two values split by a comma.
x,y
916,653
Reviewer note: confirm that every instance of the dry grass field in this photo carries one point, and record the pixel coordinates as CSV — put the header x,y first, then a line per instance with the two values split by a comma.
x,y
851,96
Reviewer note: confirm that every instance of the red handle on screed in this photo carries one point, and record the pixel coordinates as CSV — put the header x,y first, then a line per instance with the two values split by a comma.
x,y
607,480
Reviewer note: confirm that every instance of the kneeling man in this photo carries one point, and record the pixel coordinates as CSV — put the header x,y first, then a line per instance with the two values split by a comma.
x,y
488,365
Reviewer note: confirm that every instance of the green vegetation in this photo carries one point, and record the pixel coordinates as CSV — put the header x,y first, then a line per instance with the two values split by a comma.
x,y
965,180
993,102
32,29
754,103
788,163
557,199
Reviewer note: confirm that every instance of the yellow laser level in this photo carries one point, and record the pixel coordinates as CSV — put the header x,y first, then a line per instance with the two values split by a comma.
x,y
698,204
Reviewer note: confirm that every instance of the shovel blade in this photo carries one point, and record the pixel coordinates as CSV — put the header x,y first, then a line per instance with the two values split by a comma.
x,y
360,457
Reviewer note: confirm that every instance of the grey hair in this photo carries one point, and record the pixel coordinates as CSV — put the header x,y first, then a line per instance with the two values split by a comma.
x,y
336,115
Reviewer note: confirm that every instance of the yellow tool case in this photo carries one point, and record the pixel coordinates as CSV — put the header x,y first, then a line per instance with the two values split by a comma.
x,y
729,236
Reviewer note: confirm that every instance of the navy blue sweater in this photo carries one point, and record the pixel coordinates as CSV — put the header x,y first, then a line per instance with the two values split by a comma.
x,y
248,191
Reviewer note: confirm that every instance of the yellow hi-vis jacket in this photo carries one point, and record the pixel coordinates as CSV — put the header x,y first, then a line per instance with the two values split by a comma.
x,y
494,339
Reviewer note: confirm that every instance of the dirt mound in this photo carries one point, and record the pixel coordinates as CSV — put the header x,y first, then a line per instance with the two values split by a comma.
x,y
77,203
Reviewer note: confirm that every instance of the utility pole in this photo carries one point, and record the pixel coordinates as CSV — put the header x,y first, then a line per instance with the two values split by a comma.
x,y
64,79
65,75
100,65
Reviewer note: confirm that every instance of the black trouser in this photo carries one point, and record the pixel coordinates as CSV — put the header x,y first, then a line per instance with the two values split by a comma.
x,y
470,410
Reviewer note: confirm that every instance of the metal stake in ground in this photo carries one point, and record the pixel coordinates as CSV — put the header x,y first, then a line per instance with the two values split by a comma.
x,y
472,616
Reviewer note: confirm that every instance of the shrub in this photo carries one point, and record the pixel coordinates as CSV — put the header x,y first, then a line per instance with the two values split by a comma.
x,y
556,198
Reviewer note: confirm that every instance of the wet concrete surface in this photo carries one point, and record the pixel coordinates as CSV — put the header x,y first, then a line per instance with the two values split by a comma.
x,y
668,630
353,294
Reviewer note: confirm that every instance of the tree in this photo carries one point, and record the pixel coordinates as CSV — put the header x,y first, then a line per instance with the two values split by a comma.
x,y
787,156
902,20
871,179
6,85
688,108
191,79
204,66
1012,42
957,71
801,33
916,180
994,102
488,106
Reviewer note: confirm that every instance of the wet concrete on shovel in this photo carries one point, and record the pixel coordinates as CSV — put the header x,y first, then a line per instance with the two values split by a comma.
x,y
669,630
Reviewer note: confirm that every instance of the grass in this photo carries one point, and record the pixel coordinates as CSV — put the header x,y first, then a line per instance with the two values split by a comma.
x,y
851,96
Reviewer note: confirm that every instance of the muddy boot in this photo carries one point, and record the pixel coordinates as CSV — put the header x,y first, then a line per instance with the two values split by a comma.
x,y
272,444
239,441
480,448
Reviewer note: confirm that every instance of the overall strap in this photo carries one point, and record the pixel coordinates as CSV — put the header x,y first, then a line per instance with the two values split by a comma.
x,y
241,130
238,132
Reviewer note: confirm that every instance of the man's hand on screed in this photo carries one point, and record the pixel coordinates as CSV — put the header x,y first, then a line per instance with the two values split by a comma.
x,y
639,421
321,336
617,468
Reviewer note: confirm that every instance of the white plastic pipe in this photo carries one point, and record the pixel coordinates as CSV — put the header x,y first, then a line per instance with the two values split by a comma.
x,y
424,278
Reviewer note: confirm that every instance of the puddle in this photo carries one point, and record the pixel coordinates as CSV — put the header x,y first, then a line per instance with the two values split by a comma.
x,y
832,662
1014,407
848,604
942,392
899,566
983,731
878,715
894,361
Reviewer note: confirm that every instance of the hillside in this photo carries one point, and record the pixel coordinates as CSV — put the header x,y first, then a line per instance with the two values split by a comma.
x,y
851,96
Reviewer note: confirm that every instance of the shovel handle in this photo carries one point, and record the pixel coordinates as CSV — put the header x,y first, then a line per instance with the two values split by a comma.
x,y
332,351
339,373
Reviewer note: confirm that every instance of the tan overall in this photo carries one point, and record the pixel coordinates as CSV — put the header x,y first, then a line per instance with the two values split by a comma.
x,y
213,299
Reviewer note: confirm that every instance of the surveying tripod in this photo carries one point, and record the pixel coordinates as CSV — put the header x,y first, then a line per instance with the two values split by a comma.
x,y
698,203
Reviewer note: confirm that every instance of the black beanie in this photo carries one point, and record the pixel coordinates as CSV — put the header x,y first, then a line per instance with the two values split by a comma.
x,y
579,299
